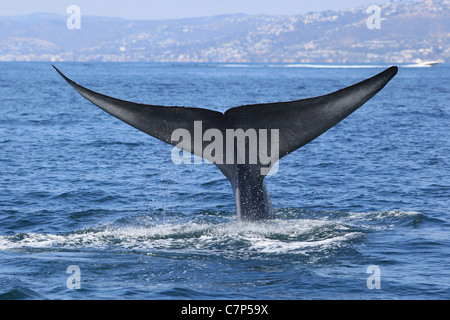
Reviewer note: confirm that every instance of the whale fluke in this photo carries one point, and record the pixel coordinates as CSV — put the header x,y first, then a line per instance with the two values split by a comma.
x,y
294,123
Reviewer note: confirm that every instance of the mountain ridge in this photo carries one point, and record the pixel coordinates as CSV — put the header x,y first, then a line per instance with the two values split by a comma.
x,y
410,31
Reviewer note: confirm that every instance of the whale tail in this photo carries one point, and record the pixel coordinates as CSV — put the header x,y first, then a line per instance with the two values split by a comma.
x,y
291,125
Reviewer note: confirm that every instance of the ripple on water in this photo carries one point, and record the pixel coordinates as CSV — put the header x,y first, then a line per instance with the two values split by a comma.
x,y
321,234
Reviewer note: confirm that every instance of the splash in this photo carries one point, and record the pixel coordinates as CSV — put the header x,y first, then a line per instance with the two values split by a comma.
x,y
299,232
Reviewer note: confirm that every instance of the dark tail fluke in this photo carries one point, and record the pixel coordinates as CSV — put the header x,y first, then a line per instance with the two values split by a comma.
x,y
296,123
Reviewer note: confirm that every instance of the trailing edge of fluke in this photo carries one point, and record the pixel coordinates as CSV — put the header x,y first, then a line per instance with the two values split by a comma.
x,y
297,123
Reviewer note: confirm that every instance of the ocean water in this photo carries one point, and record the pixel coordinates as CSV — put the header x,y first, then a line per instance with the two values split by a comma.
x,y
362,212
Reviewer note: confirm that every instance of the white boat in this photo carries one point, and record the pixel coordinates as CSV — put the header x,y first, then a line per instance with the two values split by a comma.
x,y
427,63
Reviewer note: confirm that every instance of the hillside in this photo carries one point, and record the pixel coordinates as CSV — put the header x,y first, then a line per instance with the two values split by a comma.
x,y
409,31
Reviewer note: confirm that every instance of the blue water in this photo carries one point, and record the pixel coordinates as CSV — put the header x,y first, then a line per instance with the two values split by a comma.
x,y
79,187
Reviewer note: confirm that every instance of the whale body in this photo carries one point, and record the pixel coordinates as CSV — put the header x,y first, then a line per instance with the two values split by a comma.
x,y
295,123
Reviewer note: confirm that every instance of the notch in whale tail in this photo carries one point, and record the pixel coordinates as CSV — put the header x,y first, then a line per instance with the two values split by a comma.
x,y
298,122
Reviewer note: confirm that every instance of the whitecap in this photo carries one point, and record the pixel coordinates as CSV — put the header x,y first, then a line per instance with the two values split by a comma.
x,y
297,236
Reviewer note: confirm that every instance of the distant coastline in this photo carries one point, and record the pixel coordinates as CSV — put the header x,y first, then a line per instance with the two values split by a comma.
x,y
409,32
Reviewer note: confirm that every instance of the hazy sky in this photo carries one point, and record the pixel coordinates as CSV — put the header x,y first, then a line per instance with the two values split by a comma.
x,y
168,9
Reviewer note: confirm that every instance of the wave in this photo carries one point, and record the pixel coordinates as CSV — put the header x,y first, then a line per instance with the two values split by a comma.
x,y
19,293
335,66
320,66
416,65
298,232
355,66
301,65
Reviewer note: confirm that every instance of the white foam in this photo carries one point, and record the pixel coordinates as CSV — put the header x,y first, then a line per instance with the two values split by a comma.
x,y
305,65
416,65
264,237
336,66
277,236
322,66
303,247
